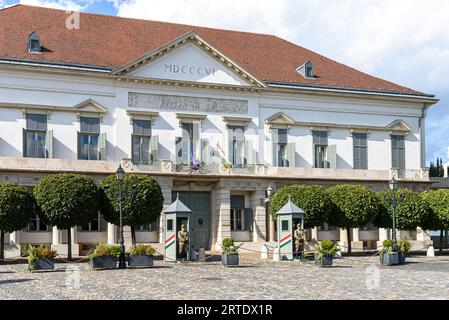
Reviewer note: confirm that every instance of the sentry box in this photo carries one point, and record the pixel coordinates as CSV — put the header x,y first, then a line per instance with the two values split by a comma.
x,y
176,215
287,220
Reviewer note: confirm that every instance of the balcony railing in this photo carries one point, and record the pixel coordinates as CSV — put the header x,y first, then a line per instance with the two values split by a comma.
x,y
168,167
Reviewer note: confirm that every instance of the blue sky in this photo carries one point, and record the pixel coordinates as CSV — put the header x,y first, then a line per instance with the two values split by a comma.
x,y
404,41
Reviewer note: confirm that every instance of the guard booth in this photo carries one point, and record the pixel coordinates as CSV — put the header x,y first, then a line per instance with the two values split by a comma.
x,y
287,219
176,215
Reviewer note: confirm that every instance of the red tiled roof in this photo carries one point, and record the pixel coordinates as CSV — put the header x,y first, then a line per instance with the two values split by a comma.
x,y
110,42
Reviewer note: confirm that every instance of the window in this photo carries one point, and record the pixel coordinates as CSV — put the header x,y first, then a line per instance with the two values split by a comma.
x,y
285,225
326,227
320,143
369,227
141,140
360,145
280,141
34,140
149,227
34,43
170,225
309,70
398,151
188,148
237,145
306,70
237,220
93,226
37,225
88,139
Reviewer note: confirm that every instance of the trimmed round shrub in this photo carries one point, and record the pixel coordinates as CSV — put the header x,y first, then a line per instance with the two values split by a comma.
x,y
17,207
67,200
141,205
312,199
438,202
411,212
355,206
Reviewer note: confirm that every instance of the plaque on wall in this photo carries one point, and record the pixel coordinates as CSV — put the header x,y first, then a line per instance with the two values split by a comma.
x,y
187,104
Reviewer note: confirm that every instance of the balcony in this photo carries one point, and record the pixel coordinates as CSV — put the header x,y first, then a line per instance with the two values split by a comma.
x,y
166,167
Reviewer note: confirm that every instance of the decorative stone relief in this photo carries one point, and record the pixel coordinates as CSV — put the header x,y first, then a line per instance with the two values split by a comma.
x,y
188,104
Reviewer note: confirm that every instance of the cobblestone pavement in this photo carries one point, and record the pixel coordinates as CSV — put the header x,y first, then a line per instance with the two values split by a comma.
x,y
349,278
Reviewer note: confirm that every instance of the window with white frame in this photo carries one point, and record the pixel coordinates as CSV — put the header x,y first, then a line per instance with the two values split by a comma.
x,y
35,135
93,226
37,225
237,145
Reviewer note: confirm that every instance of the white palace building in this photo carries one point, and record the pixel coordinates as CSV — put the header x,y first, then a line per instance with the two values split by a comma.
x,y
84,93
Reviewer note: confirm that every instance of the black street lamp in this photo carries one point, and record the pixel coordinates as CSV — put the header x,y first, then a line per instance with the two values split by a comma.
x,y
269,192
393,187
120,176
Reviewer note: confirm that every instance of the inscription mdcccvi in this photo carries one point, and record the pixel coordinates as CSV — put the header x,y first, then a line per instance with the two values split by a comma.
x,y
180,103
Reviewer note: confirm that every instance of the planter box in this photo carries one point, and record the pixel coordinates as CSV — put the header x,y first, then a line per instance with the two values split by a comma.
x,y
326,261
44,264
230,259
401,258
105,262
140,261
389,259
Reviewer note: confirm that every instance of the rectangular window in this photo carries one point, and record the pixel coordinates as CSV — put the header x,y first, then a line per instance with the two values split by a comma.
x,y
141,141
237,220
280,141
237,145
36,225
189,145
35,135
88,139
149,227
170,225
398,151
320,143
93,226
285,226
360,146
237,213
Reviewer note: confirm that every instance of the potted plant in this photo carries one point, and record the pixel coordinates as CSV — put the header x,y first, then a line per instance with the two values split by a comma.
x,y
230,254
387,256
325,253
105,256
41,258
404,246
141,256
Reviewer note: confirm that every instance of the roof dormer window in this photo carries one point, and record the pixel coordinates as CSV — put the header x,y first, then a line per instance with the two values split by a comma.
x,y
307,70
34,42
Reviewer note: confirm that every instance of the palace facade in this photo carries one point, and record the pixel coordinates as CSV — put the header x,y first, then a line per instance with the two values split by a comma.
x,y
217,116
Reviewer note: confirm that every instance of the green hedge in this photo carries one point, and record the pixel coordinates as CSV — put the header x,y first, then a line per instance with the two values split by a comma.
x,y
411,212
142,205
17,207
355,206
311,198
67,200
438,202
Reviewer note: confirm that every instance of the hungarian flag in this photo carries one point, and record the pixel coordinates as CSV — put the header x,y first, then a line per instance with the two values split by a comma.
x,y
222,156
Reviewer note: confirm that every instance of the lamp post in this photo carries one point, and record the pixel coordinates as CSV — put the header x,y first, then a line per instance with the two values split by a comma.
x,y
269,192
120,176
393,187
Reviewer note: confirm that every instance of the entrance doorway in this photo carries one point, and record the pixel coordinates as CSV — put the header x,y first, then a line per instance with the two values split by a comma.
x,y
199,203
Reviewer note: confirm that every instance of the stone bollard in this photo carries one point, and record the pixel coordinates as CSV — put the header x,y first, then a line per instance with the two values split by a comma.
x,y
201,255
431,251
264,253
277,254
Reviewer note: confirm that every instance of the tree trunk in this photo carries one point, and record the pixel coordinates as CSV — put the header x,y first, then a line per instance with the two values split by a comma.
x,y
133,235
2,246
69,244
348,230
441,241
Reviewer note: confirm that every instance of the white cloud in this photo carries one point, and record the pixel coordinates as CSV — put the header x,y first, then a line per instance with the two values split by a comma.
x,y
58,4
405,41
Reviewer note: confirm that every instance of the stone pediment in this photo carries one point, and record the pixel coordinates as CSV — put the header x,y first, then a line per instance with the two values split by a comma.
x,y
89,107
189,58
399,125
280,119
